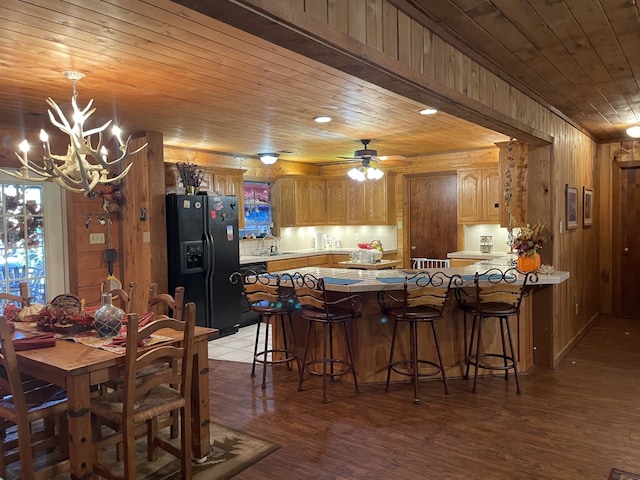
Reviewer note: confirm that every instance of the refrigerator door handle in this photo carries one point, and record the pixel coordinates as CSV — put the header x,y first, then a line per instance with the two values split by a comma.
x,y
209,256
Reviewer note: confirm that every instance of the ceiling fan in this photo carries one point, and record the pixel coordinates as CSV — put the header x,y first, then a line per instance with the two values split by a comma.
x,y
368,155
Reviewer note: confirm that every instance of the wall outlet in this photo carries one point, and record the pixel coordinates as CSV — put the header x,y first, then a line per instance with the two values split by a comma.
x,y
357,237
95,238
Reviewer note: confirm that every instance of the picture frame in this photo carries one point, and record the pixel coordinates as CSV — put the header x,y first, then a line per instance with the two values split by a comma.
x,y
572,206
587,206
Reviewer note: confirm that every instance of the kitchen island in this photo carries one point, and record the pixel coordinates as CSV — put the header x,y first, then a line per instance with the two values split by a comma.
x,y
372,332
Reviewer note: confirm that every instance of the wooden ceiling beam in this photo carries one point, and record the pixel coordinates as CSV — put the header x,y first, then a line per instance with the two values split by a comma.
x,y
296,31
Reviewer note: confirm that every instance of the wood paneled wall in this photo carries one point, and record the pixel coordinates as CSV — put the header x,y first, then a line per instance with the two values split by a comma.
x,y
397,40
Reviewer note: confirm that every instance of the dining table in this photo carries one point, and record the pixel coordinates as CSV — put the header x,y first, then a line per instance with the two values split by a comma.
x,y
80,368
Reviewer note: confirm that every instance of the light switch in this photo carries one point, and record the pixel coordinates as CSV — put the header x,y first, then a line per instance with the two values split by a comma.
x,y
95,238
146,237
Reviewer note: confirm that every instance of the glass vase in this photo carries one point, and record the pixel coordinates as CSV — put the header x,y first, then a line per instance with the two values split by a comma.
x,y
108,318
528,263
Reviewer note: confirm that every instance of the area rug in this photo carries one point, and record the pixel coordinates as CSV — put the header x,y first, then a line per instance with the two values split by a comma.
x,y
622,475
231,452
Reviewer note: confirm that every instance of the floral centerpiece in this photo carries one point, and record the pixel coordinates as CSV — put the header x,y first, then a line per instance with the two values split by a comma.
x,y
190,175
528,240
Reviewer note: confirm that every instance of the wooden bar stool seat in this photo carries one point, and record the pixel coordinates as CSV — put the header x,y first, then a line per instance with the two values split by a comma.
x,y
422,300
270,301
495,295
317,309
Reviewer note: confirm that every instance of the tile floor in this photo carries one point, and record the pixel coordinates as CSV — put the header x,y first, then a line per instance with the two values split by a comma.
x,y
237,347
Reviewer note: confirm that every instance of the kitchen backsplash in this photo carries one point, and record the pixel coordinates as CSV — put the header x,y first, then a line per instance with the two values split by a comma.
x,y
472,234
348,237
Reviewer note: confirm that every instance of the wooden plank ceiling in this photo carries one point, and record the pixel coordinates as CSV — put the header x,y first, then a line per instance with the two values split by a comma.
x,y
157,65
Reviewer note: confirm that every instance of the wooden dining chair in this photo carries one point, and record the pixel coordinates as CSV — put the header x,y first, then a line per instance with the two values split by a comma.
x,y
125,298
135,410
28,408
166,304
23,299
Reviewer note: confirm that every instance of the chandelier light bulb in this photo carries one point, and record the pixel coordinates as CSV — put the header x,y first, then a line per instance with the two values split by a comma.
x,y
85,165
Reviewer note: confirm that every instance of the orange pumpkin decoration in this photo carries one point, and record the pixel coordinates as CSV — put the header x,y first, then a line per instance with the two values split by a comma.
x,y
529,263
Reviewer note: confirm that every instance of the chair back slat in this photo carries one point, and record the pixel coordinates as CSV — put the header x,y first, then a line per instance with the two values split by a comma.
x,y
12,384
420,263
497,286
125,298
23,299
137,359
166,304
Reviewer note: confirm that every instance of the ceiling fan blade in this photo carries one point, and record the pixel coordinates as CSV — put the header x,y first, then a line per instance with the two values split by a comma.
x,y
393,162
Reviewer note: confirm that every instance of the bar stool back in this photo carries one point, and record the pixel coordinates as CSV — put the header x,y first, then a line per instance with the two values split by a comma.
x,y
495,294
422,300
269,299
318,309
419,263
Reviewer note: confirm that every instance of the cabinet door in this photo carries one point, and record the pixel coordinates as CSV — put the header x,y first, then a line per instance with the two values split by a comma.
x,y
301,205
379,201
317,204
492,193
336,201
470,196
355,202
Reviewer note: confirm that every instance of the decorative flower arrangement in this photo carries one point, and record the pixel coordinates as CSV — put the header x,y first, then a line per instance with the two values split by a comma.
x,y
190,174
529,239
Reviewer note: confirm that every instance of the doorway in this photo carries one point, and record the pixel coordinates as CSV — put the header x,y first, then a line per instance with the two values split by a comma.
x,y
626,241
433,210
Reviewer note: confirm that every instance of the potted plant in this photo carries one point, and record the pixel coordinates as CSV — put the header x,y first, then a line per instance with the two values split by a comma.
x,y
190,176
527,242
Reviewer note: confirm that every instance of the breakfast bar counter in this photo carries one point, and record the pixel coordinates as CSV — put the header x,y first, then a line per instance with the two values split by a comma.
x,y
371,334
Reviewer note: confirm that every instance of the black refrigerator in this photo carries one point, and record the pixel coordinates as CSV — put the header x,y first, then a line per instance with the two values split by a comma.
x,y
203,251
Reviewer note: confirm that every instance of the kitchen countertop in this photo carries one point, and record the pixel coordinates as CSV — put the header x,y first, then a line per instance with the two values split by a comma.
x,y
381,265
477,255
244,259
354,281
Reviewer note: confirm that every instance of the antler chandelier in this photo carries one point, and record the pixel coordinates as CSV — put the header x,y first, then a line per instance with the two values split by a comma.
x,y
84,166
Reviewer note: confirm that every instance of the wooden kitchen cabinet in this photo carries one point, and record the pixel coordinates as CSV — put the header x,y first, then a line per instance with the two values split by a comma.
x,y
336,190
300,201
479,195
371,202
225,181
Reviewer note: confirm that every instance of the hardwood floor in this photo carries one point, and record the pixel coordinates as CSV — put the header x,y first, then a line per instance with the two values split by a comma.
x,y
572,423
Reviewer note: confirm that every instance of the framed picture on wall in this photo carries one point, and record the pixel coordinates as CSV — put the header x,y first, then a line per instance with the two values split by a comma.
x,y
572,206
587,206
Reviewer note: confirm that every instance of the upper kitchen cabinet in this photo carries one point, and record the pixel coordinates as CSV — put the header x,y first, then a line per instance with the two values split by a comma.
x,y
479,195
336,190
299,201
225,181
371,202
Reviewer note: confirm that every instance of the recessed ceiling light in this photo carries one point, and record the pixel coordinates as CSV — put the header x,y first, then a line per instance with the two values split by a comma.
x,y
634,131
322,119
428,111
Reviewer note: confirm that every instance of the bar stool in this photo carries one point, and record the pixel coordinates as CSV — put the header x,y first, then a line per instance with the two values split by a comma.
x,y
495,294
269,299
422,300
316,308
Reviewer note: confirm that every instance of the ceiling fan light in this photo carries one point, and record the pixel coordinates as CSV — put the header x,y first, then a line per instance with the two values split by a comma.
x,y
356,174
634,132
374,173
268,158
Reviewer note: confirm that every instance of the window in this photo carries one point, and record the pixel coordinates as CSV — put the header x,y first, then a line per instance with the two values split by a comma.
x,y
22,240
32,242
257,209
